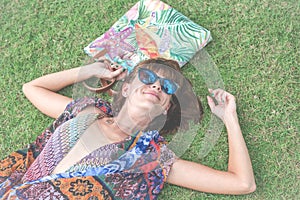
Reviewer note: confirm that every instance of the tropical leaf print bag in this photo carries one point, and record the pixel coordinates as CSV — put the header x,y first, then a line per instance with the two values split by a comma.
x,y
150,29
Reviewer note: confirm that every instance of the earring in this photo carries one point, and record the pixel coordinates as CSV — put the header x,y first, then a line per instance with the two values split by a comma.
x,y
165,112
124,94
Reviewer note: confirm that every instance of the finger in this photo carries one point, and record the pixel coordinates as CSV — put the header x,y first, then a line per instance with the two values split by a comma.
x,y
218,95
223,97
107,63
211,103
229,98
117,72
214,92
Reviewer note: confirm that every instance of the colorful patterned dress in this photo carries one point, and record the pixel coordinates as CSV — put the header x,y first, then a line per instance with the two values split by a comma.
x,y
135,168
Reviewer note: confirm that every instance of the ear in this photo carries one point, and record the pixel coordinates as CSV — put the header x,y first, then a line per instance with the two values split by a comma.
x,y
168,106
125,89
166,109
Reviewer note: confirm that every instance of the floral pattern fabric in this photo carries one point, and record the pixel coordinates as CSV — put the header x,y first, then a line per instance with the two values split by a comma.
x,y
150,29
144,163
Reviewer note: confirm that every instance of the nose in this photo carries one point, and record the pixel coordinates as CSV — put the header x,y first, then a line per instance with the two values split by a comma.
x,y
156,86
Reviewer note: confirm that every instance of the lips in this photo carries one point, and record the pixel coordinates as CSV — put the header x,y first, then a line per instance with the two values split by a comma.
x,y
152,93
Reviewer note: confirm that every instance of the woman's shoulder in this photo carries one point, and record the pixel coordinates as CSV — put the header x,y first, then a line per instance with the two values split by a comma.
x,y
78,105
81,105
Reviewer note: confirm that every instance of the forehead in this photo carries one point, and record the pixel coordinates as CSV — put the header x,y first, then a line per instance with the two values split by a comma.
x,y
163,70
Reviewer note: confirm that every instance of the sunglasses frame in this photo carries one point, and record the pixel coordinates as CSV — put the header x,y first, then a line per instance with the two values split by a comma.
x,y
161,81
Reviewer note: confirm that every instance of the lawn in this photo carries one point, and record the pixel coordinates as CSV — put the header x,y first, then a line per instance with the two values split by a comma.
x,y
255,47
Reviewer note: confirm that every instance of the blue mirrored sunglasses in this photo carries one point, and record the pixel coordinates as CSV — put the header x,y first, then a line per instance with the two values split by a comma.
x,y
148,77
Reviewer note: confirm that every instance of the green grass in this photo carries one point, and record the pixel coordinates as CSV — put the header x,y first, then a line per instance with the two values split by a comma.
x,y
256,48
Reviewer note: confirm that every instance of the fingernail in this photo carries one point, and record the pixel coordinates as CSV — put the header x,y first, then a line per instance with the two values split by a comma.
x,y
123,70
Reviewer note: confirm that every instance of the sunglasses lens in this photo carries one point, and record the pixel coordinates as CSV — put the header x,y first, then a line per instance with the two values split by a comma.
x,y
168,86
147,77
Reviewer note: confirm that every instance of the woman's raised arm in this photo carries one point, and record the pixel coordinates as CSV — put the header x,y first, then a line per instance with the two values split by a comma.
x,y
239,178
42,92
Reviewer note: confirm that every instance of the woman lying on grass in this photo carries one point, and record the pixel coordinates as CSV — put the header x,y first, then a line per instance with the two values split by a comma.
x,y
98,150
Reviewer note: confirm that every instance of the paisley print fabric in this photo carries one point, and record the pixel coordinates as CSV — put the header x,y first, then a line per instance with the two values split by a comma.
x,y
133,169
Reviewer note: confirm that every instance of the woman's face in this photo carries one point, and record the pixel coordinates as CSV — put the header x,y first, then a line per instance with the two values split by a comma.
x,y
151,98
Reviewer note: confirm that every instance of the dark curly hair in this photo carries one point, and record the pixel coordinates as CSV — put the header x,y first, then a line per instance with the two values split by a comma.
x,y
185,106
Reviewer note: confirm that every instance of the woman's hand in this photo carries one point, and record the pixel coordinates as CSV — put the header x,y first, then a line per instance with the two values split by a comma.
x,y
105,70
224,105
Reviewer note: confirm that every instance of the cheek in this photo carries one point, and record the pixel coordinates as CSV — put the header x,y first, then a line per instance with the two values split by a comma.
x,y
136,85
166,100
136,89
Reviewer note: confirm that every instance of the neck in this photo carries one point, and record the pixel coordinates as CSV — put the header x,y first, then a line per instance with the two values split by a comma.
x,y
132,120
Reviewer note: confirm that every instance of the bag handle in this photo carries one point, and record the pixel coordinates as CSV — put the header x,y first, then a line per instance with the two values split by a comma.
x,y
106,85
